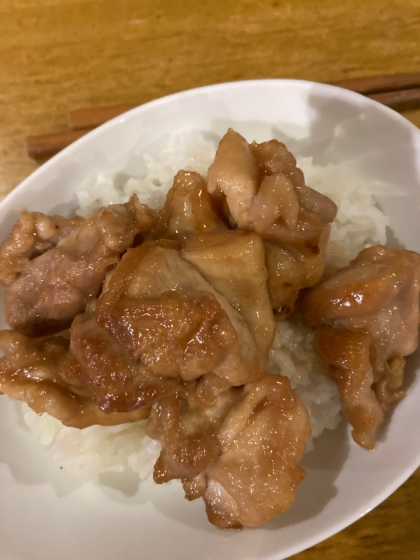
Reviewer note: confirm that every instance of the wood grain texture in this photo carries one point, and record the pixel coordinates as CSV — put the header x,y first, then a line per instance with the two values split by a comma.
x,y
57,55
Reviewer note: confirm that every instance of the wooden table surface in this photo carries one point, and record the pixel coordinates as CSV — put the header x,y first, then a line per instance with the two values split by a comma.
x,y
62,54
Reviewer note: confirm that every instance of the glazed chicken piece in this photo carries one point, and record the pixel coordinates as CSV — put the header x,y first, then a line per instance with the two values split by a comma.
x,y
189,210
266,193
114,379
57,285
285,272
161,308
239,449
33,234
186,423
263,186
366,318
235,172
233,263
262,441
44,375
272,158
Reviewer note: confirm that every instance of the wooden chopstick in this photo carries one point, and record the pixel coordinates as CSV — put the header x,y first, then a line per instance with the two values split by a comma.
x,y
398,91
93,117
46,145
399,100
381,84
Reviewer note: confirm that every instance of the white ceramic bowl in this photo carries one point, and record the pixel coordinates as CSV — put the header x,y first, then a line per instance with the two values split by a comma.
x,y
46,515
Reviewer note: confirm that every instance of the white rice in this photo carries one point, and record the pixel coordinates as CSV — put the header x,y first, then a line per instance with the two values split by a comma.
x,y
292,355
359,222
90,452
150,177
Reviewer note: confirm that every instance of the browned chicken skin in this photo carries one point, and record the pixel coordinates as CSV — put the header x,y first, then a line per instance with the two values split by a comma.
x,y
239,449
262,441
189,210
274,158
33,234
266,193
149,306
57,285
233,263
114,379
44,375
366,318
186,423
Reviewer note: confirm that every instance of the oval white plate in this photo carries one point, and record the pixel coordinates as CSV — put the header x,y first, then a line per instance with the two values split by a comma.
x,y
46,515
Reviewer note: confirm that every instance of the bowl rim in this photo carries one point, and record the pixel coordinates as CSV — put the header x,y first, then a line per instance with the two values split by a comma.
x,y
86,138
